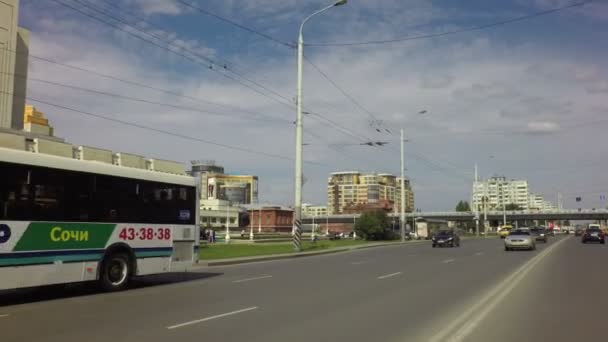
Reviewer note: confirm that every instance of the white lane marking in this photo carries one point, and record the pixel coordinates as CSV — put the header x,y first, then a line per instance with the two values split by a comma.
x,y
250,279
4,315
461,327
447,261
210,318
479,253
358,262
389,275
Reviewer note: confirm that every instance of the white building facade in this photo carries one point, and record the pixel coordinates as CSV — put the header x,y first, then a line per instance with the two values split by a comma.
x,y
499,192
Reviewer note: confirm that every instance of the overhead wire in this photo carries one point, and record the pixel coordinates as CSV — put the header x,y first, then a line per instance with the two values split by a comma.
x,y
158,130
238,25
287,100
451,32
141,100
194,58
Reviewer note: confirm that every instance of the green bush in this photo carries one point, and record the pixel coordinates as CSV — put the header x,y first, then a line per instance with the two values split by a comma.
x,y
374,226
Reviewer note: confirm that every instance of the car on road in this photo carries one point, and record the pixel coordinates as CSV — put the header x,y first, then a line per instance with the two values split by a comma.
x,y
504,232
578,232
593,235
540,234
520,239
446,238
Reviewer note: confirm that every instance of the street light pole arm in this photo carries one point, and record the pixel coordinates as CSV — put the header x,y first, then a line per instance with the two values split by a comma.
x,y
312,15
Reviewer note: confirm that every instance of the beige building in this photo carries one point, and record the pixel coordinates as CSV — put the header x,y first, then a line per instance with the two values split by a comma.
x,y
14,50
500,191
215,184
309,210
346,189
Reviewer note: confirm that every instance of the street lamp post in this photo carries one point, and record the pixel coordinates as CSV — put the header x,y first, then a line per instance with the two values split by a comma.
x,y
299,131
251,225
228,223
402,214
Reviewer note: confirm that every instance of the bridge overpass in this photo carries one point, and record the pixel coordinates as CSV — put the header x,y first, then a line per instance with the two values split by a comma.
x,y
519,215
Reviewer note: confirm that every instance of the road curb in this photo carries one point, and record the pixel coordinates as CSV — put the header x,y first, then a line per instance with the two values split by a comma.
x,y
234,261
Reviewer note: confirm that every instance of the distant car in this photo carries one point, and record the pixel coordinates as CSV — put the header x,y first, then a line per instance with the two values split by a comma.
x,y
578,232
334,236
520,239
593,235
539,234
504,232
446,238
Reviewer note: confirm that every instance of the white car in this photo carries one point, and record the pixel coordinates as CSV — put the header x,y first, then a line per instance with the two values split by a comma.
x,y
520,239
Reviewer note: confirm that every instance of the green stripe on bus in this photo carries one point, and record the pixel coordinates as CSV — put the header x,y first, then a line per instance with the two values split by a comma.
x,y
58,235
152,254
49,259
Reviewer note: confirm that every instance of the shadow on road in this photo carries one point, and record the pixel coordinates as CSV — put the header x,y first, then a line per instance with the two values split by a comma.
x,y
54,292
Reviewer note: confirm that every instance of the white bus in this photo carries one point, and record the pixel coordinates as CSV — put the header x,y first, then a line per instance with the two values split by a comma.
x,y
66,220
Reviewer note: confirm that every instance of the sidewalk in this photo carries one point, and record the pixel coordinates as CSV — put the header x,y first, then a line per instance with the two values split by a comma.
x,y
243,260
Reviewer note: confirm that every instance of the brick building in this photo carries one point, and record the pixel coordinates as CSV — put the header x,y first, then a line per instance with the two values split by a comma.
x,y
271,219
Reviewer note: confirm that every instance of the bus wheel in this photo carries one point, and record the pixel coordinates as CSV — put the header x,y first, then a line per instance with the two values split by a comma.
x,y
115,271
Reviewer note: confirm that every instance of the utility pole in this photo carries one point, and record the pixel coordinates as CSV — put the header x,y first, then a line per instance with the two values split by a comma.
x,y
504,213
402,215
476,206
297,220
227,222
260,220
251,224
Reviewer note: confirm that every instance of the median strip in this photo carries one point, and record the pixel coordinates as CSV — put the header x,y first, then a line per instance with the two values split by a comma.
x,y
389,275
250,279
210,318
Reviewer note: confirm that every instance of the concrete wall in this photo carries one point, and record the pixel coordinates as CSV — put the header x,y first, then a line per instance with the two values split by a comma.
x,y
132,160
55,148
96,154
12,141
37,129
169,167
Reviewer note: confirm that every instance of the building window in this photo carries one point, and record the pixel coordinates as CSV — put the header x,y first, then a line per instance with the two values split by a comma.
x,y
214,220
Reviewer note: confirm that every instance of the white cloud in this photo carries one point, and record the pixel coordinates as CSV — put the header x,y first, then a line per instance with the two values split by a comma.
x,y
151,7
479,92
542,127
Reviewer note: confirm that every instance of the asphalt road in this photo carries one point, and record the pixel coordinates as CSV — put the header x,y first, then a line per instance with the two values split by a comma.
x,y
477,292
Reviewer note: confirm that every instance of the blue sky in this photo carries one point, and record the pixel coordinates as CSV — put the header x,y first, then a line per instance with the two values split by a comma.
x,y
524,100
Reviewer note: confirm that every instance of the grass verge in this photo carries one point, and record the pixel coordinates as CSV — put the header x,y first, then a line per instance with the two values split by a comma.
x,y
223,251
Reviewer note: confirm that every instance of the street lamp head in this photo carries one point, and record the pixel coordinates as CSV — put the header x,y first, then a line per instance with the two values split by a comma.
x,y
340,2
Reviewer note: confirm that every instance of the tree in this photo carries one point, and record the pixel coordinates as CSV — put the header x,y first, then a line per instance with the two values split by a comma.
x,y
463,206
374,226
512,206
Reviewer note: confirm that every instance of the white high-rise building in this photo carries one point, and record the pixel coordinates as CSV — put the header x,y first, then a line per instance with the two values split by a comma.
x,y
500,192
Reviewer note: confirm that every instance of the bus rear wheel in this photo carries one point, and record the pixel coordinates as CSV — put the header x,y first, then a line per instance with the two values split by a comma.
x,y
115,272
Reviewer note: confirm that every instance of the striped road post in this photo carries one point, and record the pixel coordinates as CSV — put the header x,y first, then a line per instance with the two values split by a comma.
x,y
297,236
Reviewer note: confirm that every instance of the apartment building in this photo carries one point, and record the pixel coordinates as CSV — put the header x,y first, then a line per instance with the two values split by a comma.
x,y
352,188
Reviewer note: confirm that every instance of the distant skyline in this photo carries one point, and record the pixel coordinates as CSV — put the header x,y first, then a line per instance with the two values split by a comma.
x,y
526,100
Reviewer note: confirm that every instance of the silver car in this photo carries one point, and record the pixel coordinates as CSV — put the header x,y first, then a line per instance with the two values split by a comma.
x,y
520,239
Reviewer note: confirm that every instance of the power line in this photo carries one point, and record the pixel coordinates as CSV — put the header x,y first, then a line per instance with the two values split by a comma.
x,y
340,89
141,19
136,84
157,130
452,32
287,103
234,23
190,58
135,99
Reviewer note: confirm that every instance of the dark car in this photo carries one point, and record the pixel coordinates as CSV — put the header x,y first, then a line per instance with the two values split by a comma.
x,y
593,235
446,238
540,234
578,232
